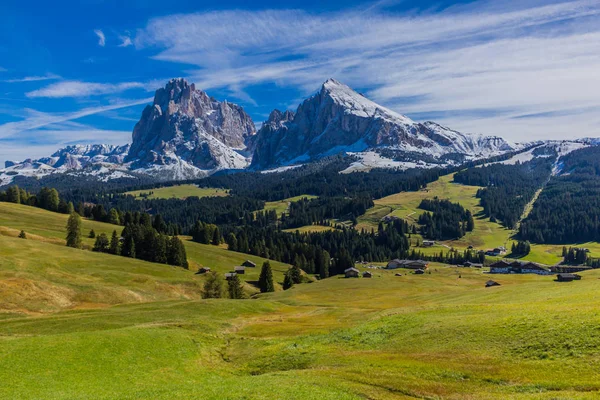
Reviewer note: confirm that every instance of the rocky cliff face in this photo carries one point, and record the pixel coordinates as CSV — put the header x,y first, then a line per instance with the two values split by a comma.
x,y
186,126
337,119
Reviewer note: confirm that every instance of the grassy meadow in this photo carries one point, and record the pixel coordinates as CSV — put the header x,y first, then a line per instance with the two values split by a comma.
x,y
434,336
179,192
486,234
44,272
282,206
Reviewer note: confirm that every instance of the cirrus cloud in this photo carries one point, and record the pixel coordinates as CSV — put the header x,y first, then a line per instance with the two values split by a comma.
x,y
481,66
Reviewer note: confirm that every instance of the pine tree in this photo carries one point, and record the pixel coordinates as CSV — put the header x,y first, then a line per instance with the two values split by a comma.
x,y
176,253
234,288
23,235
113,217
114,244
265,280
213,286
324,265
288,282
74,231
13,195
70,208
216,239
102,244
92,234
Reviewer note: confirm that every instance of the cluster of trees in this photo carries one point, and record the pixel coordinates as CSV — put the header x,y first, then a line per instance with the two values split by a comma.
x,y
141,240
206,233
452,256
104,245
324,253
215,287
522,248
575,256
448,221
508,188
307,212
46,198
568,209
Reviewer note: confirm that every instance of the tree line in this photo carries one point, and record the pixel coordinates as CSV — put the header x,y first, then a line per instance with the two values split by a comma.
x,y
507,188
448,221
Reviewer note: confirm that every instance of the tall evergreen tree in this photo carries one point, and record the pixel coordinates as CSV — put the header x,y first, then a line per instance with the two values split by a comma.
x,y
265,280
114,244
74,231
13,195
216,239
234,288
325,260
102,244
213,286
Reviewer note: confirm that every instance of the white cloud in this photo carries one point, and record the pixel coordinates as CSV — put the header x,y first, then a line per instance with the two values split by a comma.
x,y
101,37
503,59
36,78
36,119
83,89
125,41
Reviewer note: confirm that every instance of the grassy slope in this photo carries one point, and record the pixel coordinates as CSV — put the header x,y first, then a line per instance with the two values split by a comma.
x,y
36,276
281,206
49,272
430,336
485,235
180,192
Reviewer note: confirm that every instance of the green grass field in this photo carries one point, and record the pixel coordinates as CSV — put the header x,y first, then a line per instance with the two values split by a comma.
x,y
486,234
43,268
434,336
281,206
77,325
179,192
311,228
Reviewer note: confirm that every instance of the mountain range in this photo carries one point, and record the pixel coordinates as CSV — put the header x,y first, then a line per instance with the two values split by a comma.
x,y
187,134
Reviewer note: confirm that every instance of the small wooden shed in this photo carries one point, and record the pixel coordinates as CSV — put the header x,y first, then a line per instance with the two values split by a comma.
x,y
491,283
249,264
567,277
351,273
203,270
367,274
240,270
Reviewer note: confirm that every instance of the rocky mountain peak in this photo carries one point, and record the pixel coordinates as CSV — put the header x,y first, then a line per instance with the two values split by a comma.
x,y
185,125
338,119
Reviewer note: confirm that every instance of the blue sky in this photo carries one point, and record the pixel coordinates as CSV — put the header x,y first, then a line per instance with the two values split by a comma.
x,y
81,72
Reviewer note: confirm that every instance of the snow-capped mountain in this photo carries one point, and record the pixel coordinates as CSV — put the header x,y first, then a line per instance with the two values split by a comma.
x,y
337,119
187,134
97,159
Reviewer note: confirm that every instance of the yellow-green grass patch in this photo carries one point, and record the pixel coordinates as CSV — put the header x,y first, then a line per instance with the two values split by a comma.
x,y
178,192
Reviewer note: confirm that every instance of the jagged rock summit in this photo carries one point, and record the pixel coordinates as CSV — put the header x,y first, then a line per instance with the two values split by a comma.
x,y
185,133
338,119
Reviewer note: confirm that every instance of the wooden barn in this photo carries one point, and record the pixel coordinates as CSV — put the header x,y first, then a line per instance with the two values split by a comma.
x,y
409,264
249,264
241,270
567,277
351,273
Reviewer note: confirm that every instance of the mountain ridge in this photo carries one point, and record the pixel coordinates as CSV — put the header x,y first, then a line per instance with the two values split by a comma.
x,y
187,134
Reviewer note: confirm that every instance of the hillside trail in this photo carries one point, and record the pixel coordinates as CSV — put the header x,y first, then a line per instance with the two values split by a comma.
x,y
529,207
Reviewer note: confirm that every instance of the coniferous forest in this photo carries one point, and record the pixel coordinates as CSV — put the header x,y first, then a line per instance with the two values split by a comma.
x,y
507,189
568,210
